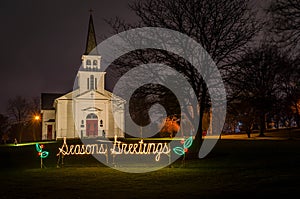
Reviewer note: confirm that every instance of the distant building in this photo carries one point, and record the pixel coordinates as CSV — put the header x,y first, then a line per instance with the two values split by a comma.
x,y
86,112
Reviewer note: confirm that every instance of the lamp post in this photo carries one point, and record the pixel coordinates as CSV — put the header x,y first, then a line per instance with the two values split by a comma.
x,y
36,120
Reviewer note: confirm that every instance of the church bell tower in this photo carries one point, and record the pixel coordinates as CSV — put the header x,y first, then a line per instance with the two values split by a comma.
x,y
89,76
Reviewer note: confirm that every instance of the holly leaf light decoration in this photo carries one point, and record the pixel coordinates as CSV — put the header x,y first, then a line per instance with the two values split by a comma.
x,y
178,150
41,153
44,154
38,147
186,144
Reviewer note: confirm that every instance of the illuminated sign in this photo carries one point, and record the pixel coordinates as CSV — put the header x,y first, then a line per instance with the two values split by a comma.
x,y
118,148
141,148
81,149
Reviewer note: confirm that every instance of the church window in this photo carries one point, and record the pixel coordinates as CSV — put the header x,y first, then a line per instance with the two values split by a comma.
x,y
96,83
101,123
92,83
88,62
95,62
91,116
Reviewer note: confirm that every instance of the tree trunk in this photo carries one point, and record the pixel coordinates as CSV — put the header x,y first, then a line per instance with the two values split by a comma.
x,y
194,149
20,129
262,124
297,116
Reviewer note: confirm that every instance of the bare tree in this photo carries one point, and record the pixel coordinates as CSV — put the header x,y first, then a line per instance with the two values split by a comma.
x,y
258,80
286,21
222,27
21,112
290,99
18,109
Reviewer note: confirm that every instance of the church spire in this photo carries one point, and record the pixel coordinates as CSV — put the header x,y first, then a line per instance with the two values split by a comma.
x,y
91,42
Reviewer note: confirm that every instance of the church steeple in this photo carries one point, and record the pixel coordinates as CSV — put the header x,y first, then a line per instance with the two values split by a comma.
x,y
89,76
91,42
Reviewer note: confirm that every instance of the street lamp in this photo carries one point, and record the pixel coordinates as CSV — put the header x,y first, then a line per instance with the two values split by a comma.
x,y
36,121
36,117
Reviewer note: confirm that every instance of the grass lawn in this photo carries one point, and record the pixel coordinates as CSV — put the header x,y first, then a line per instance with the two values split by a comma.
x,y
234,169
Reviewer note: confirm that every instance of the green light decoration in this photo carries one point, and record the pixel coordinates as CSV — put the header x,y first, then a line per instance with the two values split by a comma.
x,y
178,150
38,148
41,153
44,154
186,144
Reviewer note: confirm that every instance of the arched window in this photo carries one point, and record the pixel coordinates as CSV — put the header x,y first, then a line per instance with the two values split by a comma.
x,y
88,62
92,116
101,123
95,62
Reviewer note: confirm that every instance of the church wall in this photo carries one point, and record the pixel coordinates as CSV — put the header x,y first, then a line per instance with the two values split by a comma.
x,y
111,125
46,116
70,120
65,121
83,108
84,78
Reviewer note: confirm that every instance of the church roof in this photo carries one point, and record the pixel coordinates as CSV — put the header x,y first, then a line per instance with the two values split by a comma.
x,y
91,42
47,100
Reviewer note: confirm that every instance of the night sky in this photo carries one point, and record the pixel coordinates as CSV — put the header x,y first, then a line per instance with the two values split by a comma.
x,y
42,42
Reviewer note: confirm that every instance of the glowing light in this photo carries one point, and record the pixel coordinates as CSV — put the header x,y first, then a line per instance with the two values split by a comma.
x,y
186,144
141,148
118,148
66,149
170,126
178,150
44,154
37,117
39,149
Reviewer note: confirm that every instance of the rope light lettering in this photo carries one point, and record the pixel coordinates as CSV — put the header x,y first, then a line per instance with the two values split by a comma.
x,y
118,148
140,148
81,149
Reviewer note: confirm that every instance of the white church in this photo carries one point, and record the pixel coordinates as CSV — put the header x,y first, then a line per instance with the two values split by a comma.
x,y
86,112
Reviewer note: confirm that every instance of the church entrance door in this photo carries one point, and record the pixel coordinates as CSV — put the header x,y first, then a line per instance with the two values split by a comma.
x,y
49,132
92,125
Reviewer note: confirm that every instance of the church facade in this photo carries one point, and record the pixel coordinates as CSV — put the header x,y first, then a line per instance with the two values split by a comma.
x,y
87,111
